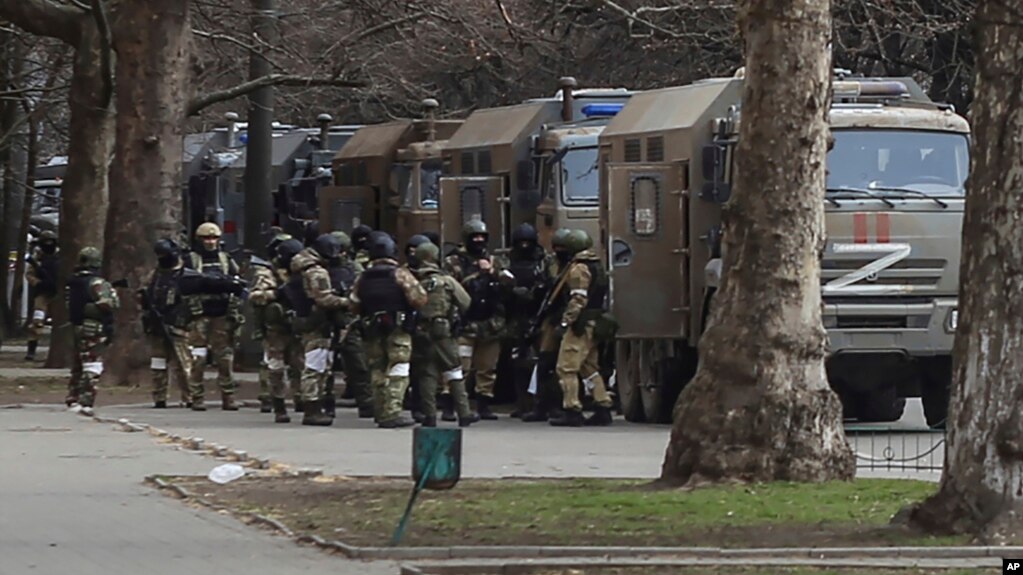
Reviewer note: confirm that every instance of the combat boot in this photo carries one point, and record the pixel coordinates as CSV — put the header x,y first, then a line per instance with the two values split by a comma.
x,y
227,402
447,408
31,355
280,411
313,414
298,404
329,406
601,417
365,412
483,408
265,405
71,399
198,405
161,404
568,418
400,421
429,421
468,420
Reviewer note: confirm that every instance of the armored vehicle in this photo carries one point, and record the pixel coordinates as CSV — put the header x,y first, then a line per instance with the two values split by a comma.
x,y
387,176
895,195
496,164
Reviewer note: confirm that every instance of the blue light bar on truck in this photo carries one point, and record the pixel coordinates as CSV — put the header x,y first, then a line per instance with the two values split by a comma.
x,y
593,110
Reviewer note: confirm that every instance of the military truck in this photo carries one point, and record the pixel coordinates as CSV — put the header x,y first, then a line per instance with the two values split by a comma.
x,y
387,176
895,195
494,163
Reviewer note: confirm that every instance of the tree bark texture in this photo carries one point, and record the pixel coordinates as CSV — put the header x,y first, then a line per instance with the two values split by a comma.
x,y
152,43
981,488
759,407
18,288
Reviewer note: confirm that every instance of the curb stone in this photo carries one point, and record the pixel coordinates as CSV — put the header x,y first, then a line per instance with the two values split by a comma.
x,y
603,554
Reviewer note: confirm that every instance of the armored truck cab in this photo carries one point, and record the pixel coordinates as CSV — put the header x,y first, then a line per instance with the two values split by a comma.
x,y
494,173
889,273
374,171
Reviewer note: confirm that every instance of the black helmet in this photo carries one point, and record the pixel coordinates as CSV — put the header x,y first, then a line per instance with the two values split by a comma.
x,y
360,235
434,238
380,245
311,232
287,250
328,246
167,252
410,249
524,237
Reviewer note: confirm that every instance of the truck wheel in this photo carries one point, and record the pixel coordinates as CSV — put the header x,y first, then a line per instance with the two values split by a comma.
x,y
649,382
627,380
880,405
935,390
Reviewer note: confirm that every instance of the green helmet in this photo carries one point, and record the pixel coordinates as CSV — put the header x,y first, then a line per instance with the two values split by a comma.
x,y
577,241
47,235
90,257
558,240
346,241
473,227
426,252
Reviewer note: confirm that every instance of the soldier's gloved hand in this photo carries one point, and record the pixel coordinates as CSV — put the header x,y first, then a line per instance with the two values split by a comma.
x,y
560,330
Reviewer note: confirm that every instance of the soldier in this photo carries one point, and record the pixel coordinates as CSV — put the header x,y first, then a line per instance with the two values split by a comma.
x,y
42,278
91,302
166,320
344,271
434,350
531,265
265,280
583,291
479,344
412,263
360,235
311,296
386,297
216,331
274,326
548,392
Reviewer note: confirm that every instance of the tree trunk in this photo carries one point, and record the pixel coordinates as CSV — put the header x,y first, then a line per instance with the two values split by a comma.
x,y
759,407
13,160
152,45
981,488
18,287
84,198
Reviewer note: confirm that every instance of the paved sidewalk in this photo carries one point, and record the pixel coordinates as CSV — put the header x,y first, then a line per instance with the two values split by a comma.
x,y
72,501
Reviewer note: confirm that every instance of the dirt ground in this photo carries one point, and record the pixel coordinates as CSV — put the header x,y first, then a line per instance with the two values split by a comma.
x,y
366,511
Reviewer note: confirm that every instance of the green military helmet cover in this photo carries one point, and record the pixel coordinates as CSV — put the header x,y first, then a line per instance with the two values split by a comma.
x,y
558,240
345,239
90,257
473,227
577,241
47,235
427,252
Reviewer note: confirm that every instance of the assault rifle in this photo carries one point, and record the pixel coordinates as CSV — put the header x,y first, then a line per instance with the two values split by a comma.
x,y
541,315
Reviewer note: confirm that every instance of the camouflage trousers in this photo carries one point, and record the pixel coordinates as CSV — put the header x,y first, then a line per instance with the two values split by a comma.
x,y
579,357
388,358
166,354
356,373
40,309
318,360
479,355
86,368
212,335
282,354
436,363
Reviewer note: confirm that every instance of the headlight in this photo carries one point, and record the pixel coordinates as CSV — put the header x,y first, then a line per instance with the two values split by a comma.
x,y
953,320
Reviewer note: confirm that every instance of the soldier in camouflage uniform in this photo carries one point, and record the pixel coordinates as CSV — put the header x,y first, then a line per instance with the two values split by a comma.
x,y
548,399
167,319
583,292
281,354
434,350
344,271
91,302
412,263
313,299
386,297
215,333
265,279
479,344
41,276
360,235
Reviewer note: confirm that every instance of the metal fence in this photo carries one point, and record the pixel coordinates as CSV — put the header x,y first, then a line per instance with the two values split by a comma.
x,y
897,449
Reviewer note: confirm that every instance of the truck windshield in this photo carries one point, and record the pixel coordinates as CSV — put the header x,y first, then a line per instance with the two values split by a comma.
x,y
429,185
890,162
580,183
401,179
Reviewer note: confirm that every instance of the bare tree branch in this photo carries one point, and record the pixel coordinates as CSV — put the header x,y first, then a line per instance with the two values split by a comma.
x,y
205,100
42,18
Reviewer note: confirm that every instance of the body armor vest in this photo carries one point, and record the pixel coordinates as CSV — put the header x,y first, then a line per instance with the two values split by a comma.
x,y
295,297
482,289
166,299
213,264
438,303
80,301
529,273
342,277
379,291
47,274
598,286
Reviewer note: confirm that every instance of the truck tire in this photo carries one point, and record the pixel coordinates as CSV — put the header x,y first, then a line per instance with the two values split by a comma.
x,y
627,381
880,405
649,382
935,390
